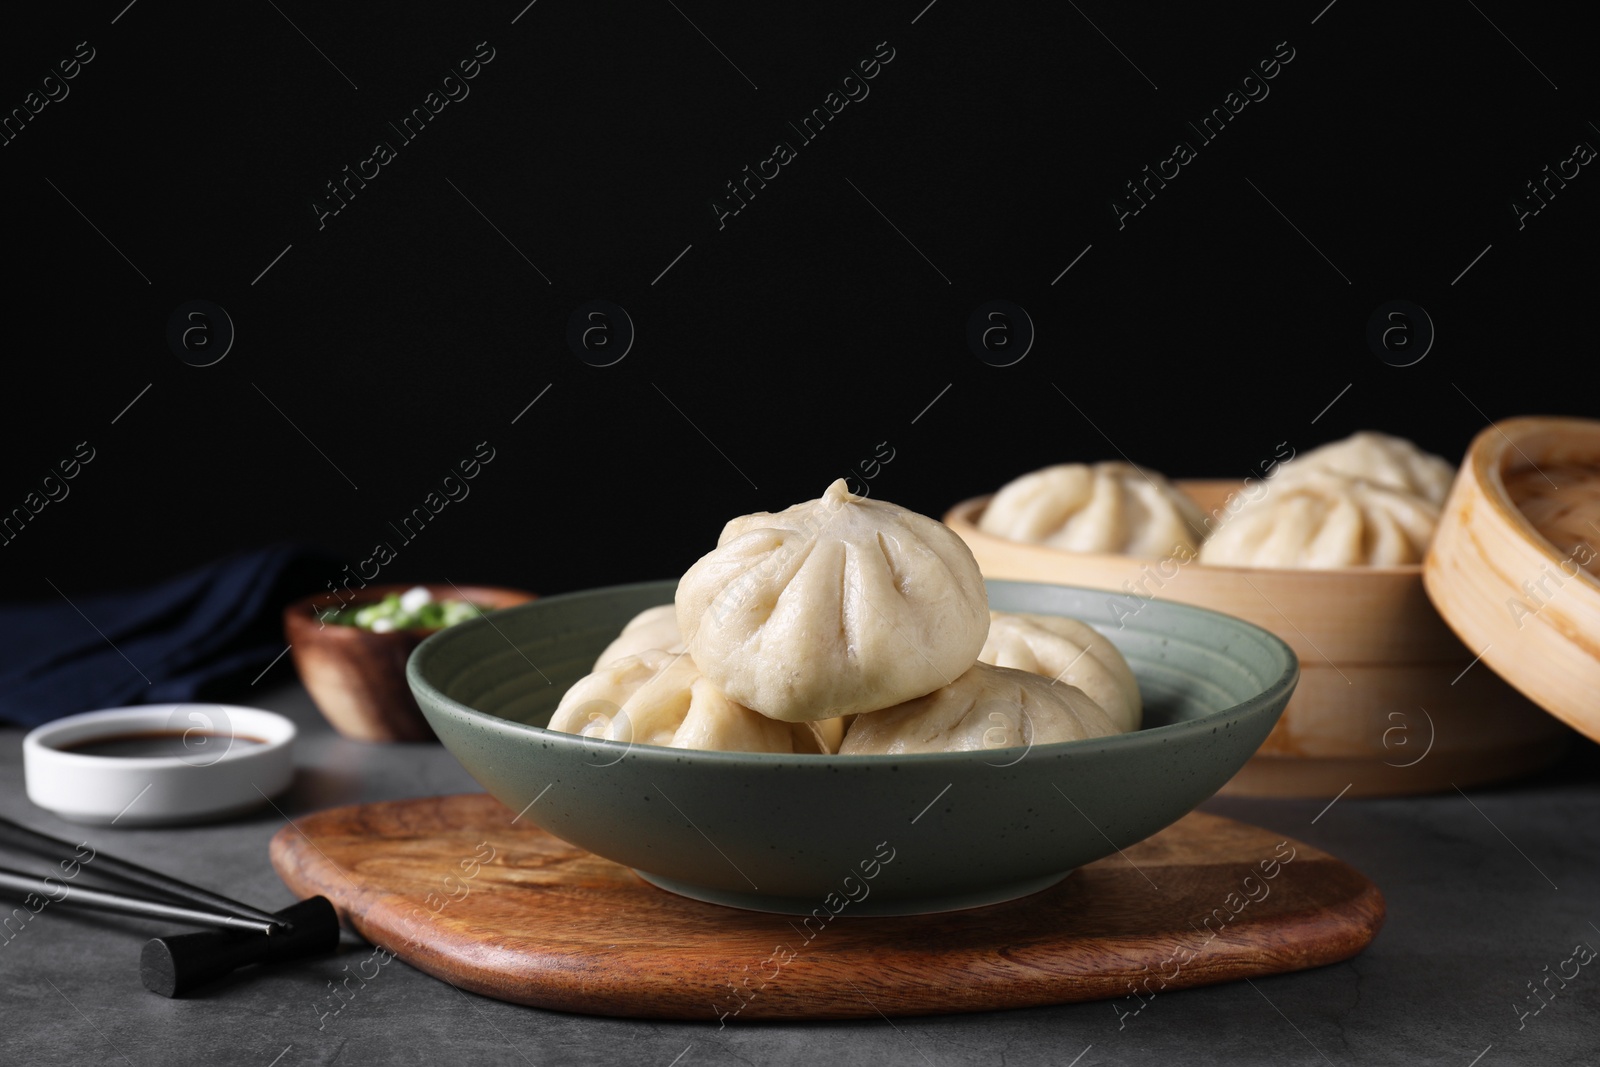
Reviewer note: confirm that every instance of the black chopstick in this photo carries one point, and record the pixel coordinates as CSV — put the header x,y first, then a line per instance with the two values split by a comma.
x,y
84,897
16,834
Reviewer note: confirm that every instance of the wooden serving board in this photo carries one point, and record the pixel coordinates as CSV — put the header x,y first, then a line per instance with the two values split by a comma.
x,y
459,888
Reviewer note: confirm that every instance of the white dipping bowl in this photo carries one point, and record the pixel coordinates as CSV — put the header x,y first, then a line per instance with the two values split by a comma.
x,y
215,775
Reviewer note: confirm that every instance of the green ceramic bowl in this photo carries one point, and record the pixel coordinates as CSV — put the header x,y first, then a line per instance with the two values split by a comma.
x,y
869,834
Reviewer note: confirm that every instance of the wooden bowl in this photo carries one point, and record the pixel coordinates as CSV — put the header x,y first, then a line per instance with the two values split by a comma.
x,y
357,678
1508,590
1383,705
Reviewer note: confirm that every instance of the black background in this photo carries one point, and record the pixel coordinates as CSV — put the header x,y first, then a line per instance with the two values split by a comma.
x,y
781,349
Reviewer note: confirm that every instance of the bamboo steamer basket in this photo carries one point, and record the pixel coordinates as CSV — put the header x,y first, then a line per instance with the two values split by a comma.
x,y
1386,704
1507,589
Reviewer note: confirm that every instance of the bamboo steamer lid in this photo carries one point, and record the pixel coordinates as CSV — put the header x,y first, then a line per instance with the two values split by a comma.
x,y
1527,599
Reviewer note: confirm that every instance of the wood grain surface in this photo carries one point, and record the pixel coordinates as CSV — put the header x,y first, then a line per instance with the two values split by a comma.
x,y
460,889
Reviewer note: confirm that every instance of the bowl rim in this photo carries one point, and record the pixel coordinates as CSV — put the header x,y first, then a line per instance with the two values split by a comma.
x,y
968,512
41,742
1281,686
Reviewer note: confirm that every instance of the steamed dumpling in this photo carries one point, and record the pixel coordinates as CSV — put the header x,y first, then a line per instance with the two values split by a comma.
x,y
1379,458
828,734
1068,652
1105,507
834,606
655,627
987,707
1320,519
661,698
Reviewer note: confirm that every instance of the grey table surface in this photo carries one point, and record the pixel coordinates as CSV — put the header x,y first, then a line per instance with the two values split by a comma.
x,y
1488,892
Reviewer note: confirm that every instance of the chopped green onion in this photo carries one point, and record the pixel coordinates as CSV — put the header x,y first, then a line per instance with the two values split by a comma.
x,y
414,610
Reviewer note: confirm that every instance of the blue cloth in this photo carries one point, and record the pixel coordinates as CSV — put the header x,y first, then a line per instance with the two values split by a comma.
x,y
186,638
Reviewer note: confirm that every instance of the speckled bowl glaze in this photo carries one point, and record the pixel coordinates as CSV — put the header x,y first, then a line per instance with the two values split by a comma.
x,y
886,835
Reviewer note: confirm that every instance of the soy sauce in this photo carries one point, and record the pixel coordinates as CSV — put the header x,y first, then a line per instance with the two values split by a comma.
x,y
162,744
